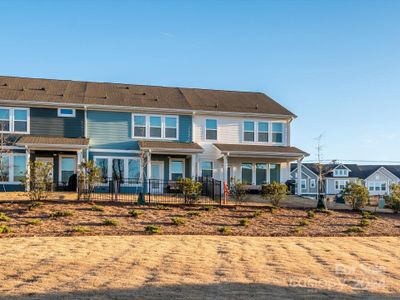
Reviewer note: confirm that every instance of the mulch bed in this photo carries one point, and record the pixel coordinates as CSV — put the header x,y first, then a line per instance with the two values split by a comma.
x,y
267,222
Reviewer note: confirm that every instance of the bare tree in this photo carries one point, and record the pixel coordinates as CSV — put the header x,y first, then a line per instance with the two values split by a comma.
x,y
321,174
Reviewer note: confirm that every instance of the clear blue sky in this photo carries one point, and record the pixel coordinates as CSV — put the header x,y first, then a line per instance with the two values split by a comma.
x,y
336,64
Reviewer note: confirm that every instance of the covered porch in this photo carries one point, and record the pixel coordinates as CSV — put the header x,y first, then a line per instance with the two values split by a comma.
x,y
64,154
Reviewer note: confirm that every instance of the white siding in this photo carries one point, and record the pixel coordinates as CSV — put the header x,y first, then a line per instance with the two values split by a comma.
x,y
381,175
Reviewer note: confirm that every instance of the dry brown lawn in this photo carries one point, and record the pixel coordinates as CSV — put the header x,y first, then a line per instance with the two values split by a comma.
x,y
199,267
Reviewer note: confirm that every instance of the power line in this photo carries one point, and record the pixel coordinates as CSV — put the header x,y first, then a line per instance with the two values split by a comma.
x,y
357,160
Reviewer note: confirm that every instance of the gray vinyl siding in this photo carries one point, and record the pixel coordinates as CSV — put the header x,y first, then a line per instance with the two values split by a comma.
x,y
45,122
308,175
330,184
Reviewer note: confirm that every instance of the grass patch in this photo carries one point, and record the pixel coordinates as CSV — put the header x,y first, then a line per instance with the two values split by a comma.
x,y
97,208
257,213
35,205
110,222
310,214
193,213
33,222
354,229
324,211
244,222
4,218
162,207
5,229
224,230
135,213
177,221
62,213
152,229
298,230
304,223
80,229
364,223
368,215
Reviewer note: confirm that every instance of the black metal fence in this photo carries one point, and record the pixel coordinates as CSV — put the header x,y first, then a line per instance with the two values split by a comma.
x,y
155,191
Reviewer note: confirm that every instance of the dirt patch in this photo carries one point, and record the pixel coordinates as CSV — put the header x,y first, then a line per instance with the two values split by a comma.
x,y
60,218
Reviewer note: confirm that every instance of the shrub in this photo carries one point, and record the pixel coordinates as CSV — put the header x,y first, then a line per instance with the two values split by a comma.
x,y
368,215
257,213
224,230
177,221
35,205
3,217
89,176
324,211
354,229
34,222
151,229
310,214
193,213
97,208
38,181
238,191
304,223
110,222
276,192
299,230
80,229
62,213
5,229
356,195
244,222
162,207
364,223
393,200
135,213
190,189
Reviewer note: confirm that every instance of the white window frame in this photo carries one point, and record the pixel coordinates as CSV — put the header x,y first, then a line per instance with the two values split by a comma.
x,y
340,182
377,184
270,132
170,167
60,157
254,131
205,126
253,175
60,114
12,119
313,183
125,159
161,126
11,167
262,131
341,173
212,167
303,181
147,126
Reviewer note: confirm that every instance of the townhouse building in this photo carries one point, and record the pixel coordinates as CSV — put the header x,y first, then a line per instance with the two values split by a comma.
x,y
135,131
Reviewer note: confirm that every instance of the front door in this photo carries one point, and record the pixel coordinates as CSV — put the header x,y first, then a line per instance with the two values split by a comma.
x,y
48,160
157,171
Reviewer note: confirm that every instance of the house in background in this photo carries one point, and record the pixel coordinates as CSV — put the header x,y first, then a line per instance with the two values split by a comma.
x,y
134,132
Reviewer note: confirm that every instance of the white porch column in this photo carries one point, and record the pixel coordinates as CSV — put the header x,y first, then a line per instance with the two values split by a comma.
x,y
225,168
194,162
298,192
148,159
79,157
28,169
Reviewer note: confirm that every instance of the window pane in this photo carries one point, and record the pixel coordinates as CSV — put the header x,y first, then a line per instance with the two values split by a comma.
x,y
277,137
207,169
275,173
155,121
211,124
248,126
140,120
155,132
249,136
140,131
261,174
20,115
102,163
277,127
170,132
176,169
67,168
19,168
134,168
211,134
4,125
247,172
4,114
20,126
117,169
170,122
262,126
262,137
4,168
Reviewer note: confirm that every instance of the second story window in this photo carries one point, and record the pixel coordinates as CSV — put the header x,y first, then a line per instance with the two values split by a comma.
x,y
211,129
277,132
14,120
155,127
341,172
66,112
171,127
248,131
263,132
139,126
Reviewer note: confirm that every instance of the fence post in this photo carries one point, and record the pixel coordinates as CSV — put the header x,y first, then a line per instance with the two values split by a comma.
x,y
149,188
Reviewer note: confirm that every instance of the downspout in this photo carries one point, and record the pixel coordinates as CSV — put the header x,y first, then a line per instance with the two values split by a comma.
x,y
86,131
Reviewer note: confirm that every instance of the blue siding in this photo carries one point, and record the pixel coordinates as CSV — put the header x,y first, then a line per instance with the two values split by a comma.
x,y
185,128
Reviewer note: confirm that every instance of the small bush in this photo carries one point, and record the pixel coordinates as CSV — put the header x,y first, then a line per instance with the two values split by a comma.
x,y
304,223
5,229
177,221
238,191
135,213
4,218
354,229
356,195
190,189
324,211
364,223
299,230
310,214
276,192
224,230
393,201
34,222
62,213
244,222
257,213
162,207
80,229
368,215
193,213
151,229
35,205
97,208
110,222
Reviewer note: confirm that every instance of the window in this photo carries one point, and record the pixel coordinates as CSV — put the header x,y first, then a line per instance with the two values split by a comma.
x,y
211,129
340,184
12,168
155,127
261,173
177,167
134,169
207,169
66,112
139,126
341,172
248,131
117,169
247,173
171,127
14,120
304,184
67,168
19,168
277,132
4,168
275,172
377,186
102,163
312,183
263,132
